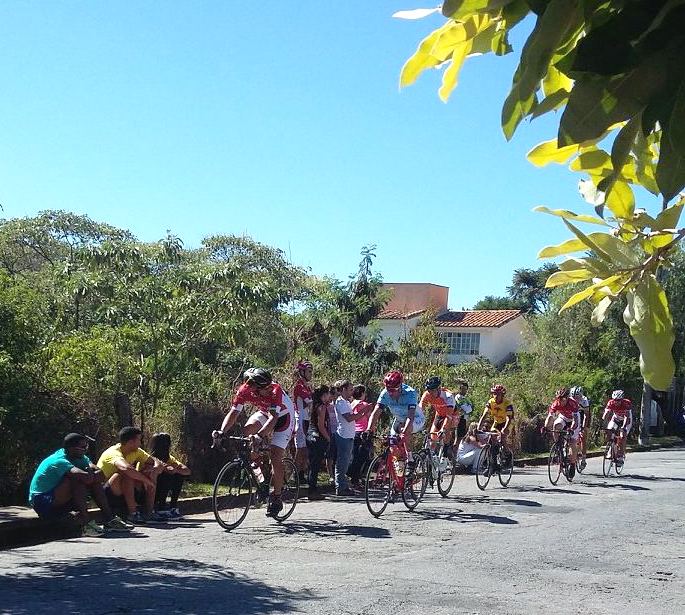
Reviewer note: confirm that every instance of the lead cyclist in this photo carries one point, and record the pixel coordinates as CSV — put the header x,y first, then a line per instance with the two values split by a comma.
x,y
585,418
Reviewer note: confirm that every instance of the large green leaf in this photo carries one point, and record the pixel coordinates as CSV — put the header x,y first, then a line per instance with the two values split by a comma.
x,y
422,58
621,200
607,247
560,278
460,8
569,215
649,319
451,74
548,151
670,170
612,282
669,217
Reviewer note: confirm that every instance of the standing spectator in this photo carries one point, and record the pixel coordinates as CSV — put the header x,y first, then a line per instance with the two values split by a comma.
x,y
344,436
361,451
302,397
64,480
332,426
318,437
170,481
118,464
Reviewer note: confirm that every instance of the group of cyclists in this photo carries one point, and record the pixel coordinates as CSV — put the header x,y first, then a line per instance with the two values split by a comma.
x,y
278,419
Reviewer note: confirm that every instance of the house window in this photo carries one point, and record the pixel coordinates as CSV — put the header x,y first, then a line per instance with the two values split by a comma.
x,y
461,343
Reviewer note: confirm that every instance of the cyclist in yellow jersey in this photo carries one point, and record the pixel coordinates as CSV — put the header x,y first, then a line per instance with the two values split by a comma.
x,y
500,409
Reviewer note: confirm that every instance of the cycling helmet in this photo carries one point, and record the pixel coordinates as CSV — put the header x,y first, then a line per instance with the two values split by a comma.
x,y
618,394
576,391
304,365
562,392
433,382
498,389
257,377
393,379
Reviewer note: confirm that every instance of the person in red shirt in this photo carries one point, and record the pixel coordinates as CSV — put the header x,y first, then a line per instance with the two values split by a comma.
x,y
302,396
274,418
565,411
621,410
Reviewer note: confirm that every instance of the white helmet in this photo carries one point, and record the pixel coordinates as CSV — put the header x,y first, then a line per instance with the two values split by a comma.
x,y
576,390
618,394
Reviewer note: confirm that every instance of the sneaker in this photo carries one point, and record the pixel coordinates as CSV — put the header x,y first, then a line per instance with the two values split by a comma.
x,y
174,513
155,517
314,495
274,507
583,465
116,524
345,492
571,471
92,529
135,518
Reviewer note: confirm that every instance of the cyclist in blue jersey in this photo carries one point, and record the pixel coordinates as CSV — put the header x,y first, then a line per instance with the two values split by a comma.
x,y
402,401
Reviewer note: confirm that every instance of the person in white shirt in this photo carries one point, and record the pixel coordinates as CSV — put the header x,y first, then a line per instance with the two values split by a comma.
x,y
469,449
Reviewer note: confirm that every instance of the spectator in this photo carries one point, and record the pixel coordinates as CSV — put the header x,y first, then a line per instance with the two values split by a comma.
x,y
331,426
118,464
361,451
64,480
344,436
171,479
318,437
469,449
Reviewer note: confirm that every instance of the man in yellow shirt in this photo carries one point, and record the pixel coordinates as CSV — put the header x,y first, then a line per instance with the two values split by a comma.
x,y
119,465
500,409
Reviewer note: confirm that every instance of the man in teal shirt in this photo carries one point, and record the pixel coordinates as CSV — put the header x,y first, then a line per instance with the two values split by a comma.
x,y
64,480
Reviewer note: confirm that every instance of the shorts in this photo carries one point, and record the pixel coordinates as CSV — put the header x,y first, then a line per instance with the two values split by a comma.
x,y
617,421
398,423
300,439
44,505
282,433
563,422
498,426
447,421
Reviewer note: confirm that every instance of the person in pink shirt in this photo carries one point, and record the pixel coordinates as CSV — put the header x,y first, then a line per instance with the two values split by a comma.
x,y
362,443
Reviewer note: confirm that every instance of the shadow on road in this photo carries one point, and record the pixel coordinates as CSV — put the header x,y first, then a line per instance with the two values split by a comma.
x,y
484,499
326,528
536,489
120,585
608,485
462,517
656,478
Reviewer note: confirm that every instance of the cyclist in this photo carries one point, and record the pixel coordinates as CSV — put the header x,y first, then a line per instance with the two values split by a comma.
x,y
465,407
401,400
585,418
621,410
441,400
302,396
275,417
565,411
500,409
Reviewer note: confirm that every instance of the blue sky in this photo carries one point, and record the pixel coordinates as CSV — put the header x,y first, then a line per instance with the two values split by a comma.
x,y
280,120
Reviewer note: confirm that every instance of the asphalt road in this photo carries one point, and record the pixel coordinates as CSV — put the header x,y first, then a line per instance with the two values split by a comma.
x,y
594,546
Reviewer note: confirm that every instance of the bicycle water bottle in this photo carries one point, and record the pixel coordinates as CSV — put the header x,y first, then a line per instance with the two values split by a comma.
x,y
259,475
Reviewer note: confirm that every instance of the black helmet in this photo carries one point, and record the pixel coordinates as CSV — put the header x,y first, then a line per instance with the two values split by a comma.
x,y
433,382
258,377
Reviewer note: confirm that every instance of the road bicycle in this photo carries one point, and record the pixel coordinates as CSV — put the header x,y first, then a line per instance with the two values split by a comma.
x,y
440,465
494,457
390,476
241,484
612,453
559,460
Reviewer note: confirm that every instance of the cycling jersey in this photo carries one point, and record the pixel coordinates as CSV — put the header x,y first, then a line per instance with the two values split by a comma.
x,y
302,394
275,397
443,404
566,410
620,407
399,408
500,411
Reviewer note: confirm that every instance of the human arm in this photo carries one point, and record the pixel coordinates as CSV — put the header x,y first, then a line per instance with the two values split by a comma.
x,y
230,419
375,416
126,469
321,423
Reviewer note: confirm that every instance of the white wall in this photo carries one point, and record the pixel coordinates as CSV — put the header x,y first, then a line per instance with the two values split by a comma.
x,y
395,330
496,344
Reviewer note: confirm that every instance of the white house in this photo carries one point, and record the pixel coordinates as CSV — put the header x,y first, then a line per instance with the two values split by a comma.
x,y
492,334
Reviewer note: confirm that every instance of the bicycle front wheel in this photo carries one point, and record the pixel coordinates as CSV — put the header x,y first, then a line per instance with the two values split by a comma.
x,y
483,469
378,485
608,460
290,491
618,467
415,481
232,495
446,476
506,466
554,464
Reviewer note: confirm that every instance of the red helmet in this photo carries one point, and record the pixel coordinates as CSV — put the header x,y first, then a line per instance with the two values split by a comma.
x,y
393,379
498,389
562,392
303,365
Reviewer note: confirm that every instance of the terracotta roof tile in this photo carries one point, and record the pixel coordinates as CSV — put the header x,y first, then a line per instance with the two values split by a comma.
x,y
397,315
477,318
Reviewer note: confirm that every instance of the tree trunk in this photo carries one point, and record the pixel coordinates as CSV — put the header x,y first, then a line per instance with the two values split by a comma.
x,y
645,414
122,408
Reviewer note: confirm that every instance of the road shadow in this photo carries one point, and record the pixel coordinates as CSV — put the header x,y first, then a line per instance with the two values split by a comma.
x,y
121,585
539,489
326,528
462,517
484,499
607,485
654,478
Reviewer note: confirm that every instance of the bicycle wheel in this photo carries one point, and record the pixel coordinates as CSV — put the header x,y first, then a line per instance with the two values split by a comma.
x,y
415,481
378,485
608,460
555,464
506,466
446,475
618,467
483,468
232,495
290,490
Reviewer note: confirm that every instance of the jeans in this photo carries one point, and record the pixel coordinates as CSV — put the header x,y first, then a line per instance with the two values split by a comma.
x,y
342,462
317,451
361,455
168,483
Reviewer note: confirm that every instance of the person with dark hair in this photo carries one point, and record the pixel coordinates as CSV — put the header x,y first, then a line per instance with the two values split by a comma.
x,y
64,480
361,451
118,464
170,481
331,426
318,438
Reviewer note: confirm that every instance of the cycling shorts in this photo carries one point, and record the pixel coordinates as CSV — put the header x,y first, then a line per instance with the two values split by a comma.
x,y
300,439
282,433
616,422
565,423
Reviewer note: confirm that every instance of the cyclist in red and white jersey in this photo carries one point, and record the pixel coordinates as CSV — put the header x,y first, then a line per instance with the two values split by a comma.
x,y
275,417
565,411
585,418
621,410
302,396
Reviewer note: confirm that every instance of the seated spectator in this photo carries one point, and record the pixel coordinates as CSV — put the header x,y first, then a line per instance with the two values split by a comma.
x,y
363,444
171,479
318,438
469,449
118,464
63,482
